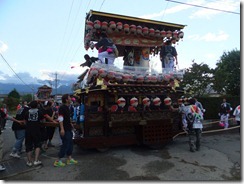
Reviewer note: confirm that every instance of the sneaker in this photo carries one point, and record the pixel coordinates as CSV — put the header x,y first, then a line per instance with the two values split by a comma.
x,y
58,164
38,162
71,161
15,155
29,164
2,168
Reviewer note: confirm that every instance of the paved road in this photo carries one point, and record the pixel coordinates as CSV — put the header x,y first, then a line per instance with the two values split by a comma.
x,y
219,159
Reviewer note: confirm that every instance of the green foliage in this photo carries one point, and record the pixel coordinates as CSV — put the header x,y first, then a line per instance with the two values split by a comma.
x,y
212,105
227,74
11,103
27,98
198,79
14,94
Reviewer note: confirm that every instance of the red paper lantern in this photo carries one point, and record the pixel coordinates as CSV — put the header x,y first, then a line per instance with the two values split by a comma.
x,y
112,25
102,72
146,102
97,24
157,33
139,30
119,26
133,29
151,32
140,79
163,34
126,28
180,34
175,34
145,31
134,102
121,102
169,34
89,25
167,101
111,74
104,26
157,101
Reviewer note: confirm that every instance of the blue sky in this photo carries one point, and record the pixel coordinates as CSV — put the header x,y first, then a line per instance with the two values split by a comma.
x,y
41,37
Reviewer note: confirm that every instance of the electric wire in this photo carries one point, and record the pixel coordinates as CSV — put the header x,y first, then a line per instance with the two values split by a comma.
x,y
164,10
65,31
101,5
16,73
199,6
70,34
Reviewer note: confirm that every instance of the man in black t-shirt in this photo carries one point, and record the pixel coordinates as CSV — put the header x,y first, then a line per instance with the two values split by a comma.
x,y
66,133
19,131
33,118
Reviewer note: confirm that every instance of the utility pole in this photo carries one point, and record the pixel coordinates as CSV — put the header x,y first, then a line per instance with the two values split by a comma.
x,y
56,85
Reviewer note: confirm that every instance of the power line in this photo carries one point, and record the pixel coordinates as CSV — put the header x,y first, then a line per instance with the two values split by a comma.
x,y
65,31
101,5
15,72
204,7
164,10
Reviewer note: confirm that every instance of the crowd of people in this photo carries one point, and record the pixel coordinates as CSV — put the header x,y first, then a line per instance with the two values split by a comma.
x,y
29,131
33,136
193,115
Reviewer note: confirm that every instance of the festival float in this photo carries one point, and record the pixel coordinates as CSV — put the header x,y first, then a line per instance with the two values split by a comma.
x,y
132,104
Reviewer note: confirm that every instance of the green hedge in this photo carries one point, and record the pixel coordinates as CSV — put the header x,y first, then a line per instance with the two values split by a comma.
x,y
212,105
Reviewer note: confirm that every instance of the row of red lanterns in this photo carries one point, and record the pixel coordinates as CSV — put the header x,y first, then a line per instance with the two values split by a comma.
x,y
133,29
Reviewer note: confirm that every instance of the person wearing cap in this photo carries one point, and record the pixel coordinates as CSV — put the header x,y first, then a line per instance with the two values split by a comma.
x,y
106,49
168,55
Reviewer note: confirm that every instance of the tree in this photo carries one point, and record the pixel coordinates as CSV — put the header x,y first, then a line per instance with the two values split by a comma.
x,y
227,74
27,97
14,94
13,99
198,79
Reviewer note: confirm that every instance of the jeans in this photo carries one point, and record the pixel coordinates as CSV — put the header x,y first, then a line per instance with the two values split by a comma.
x,y
19,136
67,144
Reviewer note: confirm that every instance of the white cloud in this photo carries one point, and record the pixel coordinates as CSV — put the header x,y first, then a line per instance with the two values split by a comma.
x,y
224,5
211,56
210,37
172,10
3,47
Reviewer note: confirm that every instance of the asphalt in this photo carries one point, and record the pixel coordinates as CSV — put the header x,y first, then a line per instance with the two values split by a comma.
x,y
218,160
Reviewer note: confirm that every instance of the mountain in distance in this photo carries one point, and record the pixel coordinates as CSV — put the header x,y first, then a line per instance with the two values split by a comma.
x,y
26,89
